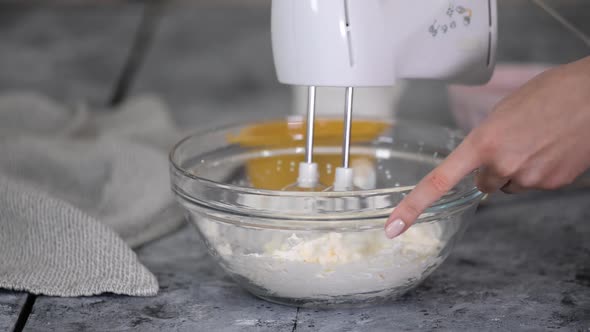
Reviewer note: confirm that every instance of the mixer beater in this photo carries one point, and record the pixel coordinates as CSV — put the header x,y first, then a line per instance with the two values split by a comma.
x,y
308,178
344,174
308,170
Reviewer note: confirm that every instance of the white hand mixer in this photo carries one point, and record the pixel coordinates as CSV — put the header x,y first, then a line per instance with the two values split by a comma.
x,y
368,43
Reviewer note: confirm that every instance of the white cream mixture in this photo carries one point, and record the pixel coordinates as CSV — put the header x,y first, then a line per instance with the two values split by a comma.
x,y
324,265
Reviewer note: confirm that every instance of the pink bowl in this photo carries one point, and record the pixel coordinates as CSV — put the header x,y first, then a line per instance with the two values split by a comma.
x,y
471,104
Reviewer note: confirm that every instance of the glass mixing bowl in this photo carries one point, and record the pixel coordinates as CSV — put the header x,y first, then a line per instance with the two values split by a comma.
x,y
319,249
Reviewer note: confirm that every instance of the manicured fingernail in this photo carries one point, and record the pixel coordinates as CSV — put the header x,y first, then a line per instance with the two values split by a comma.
x,y
395,228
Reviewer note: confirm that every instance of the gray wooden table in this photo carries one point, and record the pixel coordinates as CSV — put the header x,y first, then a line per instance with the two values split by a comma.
x,y
524,264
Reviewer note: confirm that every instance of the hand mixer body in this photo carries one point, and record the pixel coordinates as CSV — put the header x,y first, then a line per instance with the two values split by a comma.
x,y
364,43
352,43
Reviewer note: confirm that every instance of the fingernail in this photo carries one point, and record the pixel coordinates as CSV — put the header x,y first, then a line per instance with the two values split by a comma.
x,y
395,228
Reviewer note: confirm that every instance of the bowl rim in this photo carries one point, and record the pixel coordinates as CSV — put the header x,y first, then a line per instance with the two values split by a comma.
x,y
450,201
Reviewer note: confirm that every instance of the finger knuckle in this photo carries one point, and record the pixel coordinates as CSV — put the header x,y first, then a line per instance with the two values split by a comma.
x,y
569,180
411,210
529,179
569,177
551,185
440,183
554,182
559,181
506,168
485,143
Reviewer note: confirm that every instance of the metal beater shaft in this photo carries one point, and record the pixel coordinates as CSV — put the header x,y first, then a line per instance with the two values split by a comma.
x,y
310,124
347,127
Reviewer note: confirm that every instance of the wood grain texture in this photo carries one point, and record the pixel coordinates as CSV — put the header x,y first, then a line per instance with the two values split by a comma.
x,y
69,53
195,295
11,304
522,265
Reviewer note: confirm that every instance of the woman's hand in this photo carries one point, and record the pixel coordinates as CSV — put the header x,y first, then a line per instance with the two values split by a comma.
x,y
536,138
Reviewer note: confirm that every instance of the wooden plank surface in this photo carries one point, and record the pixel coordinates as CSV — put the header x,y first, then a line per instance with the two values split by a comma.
x,y
11,304
194,295
522,265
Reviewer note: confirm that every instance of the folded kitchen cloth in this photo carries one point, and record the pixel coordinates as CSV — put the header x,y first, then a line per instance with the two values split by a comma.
x,y
78,189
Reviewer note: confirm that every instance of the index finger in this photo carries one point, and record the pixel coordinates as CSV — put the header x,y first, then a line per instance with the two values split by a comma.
x,y
433,186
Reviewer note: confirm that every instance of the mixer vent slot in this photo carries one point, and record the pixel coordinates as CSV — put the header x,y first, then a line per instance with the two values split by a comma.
x,y
490,12
348,32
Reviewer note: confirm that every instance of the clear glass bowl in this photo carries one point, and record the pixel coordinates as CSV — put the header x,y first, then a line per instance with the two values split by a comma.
x,y
319,249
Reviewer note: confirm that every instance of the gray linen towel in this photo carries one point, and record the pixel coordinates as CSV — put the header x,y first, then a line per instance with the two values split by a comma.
x,y
77,189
